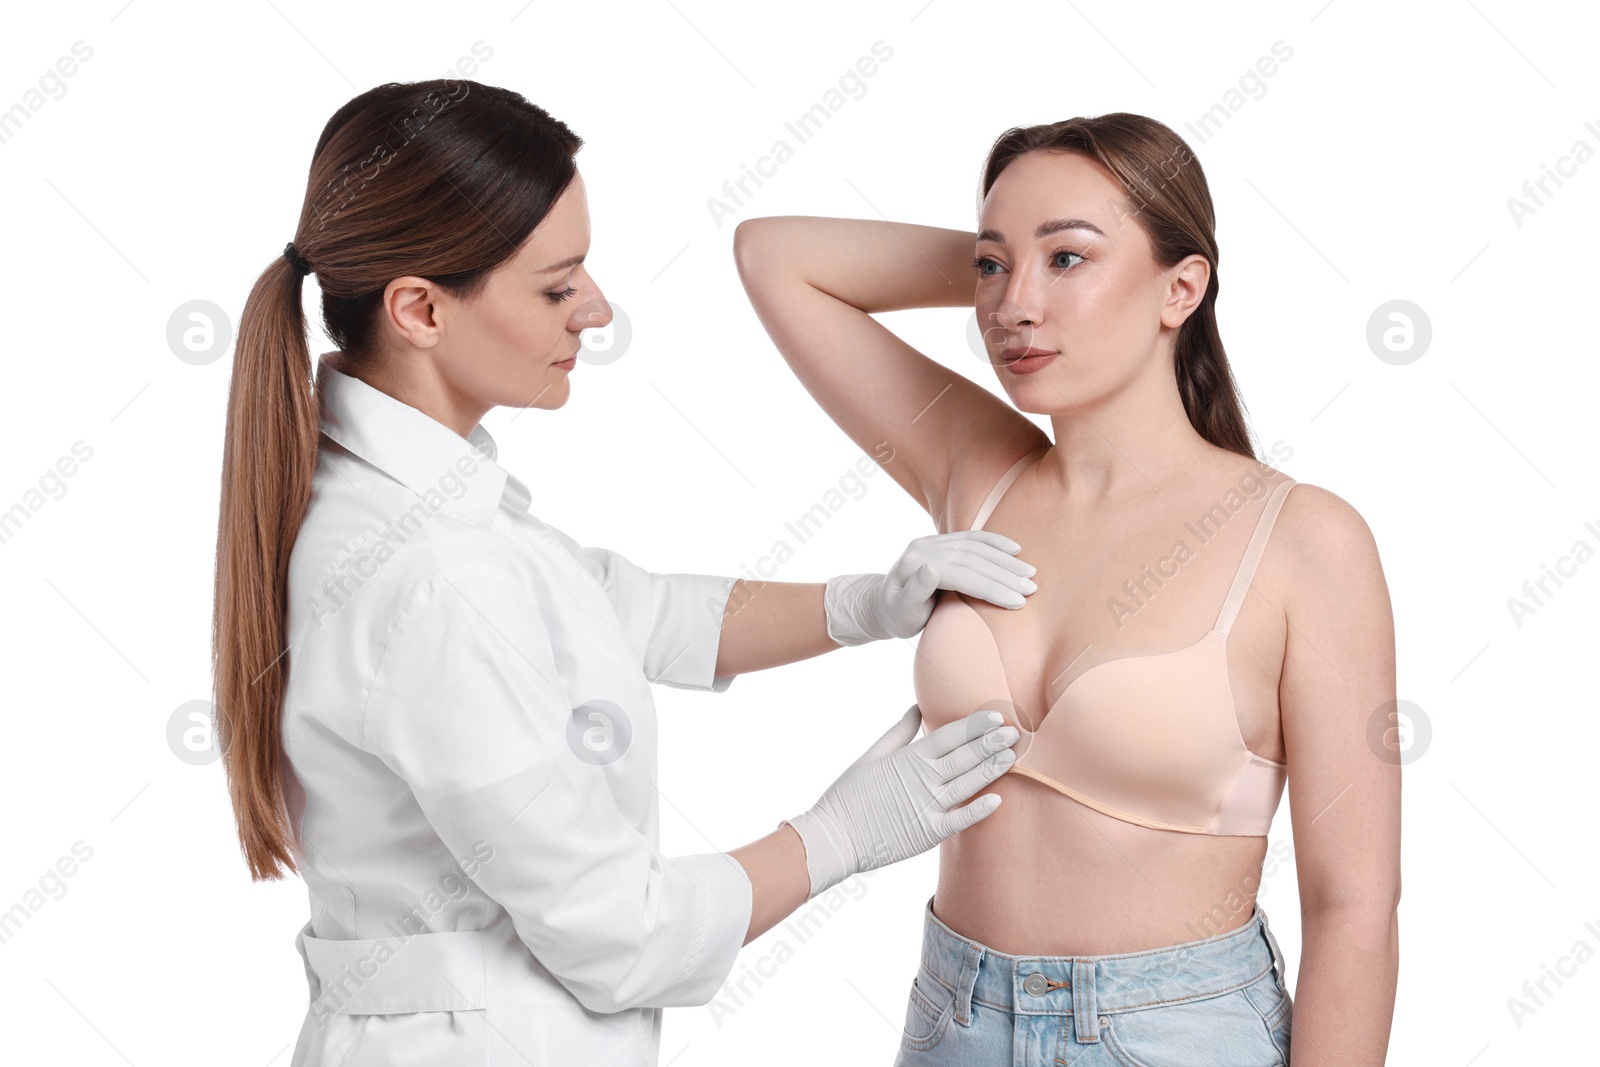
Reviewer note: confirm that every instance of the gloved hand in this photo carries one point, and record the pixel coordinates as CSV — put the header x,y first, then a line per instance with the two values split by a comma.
x,y
870,607
890,804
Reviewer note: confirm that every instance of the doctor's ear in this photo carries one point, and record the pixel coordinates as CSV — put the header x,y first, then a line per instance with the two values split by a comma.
x,y
414,308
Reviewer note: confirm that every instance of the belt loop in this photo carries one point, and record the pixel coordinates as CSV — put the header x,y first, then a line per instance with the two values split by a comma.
x,y
968,979
1279,967
1085,1010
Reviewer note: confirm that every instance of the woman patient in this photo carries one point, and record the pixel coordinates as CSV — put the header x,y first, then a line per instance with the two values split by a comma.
x,y
1205,627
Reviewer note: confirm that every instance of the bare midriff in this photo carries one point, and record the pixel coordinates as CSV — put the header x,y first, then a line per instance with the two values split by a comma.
x,y
1047,876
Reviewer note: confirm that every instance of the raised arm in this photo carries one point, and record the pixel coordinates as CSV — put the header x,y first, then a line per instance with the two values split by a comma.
x,y
816,282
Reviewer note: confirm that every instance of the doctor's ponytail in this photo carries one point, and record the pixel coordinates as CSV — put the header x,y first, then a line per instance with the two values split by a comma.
x,y
443,179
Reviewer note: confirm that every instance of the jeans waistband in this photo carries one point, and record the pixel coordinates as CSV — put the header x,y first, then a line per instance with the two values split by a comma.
x,y
1091,986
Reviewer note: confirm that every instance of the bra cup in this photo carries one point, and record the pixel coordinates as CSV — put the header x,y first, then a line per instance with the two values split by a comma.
x,y
1115,736
957,670
1112,735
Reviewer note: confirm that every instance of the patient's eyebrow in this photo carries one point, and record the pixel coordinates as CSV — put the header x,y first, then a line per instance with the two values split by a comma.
x,y
1046,228
570,261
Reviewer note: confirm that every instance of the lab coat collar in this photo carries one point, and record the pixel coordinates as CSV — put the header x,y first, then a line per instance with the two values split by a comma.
x,y
417,450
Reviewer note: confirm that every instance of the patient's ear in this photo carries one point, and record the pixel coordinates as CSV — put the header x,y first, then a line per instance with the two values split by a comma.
x,y
1186,288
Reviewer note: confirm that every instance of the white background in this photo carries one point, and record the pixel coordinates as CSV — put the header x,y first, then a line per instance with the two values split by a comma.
x,y
1375,164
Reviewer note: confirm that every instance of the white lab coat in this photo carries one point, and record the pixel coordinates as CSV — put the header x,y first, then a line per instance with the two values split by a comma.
x,y
472,745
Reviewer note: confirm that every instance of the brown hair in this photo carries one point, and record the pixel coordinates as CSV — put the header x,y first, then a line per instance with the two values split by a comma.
x,y
1173,206
443,179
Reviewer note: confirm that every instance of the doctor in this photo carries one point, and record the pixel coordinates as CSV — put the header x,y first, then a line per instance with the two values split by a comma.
x,y
434,706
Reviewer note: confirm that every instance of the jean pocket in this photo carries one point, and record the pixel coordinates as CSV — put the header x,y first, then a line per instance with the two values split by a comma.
x,y
1223,1029
929,1010
1276,1008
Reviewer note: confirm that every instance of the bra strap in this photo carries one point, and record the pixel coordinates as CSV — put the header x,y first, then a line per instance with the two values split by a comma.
x,y
1003,484
1252,556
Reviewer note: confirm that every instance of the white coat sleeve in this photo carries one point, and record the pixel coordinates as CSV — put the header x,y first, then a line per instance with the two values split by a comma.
x,y
467,707
674,619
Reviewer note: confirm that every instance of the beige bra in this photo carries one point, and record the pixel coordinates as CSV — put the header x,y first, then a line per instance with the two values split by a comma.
x,y
1152,740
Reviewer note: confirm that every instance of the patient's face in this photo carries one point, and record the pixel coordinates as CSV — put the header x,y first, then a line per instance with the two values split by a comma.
x,y
1065,267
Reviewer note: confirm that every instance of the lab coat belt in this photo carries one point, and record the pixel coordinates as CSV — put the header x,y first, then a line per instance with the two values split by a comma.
x,y
430,971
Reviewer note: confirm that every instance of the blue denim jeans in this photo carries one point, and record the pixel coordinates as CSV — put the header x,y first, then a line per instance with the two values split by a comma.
x,y
1220,1001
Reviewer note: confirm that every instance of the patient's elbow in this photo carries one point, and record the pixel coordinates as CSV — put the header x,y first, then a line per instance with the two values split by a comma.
x,y
753,243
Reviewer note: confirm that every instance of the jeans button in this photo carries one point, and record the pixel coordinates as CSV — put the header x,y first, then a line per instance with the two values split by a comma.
x,y
1036,984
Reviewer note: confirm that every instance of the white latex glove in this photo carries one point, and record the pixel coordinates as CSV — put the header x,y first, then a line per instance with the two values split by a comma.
x,y
870,607
891,804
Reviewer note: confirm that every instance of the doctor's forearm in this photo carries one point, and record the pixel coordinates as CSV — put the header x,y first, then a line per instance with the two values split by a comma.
x,y
779,879
767,624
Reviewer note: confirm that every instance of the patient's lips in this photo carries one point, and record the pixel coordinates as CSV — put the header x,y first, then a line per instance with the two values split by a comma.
x,y
1021,359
